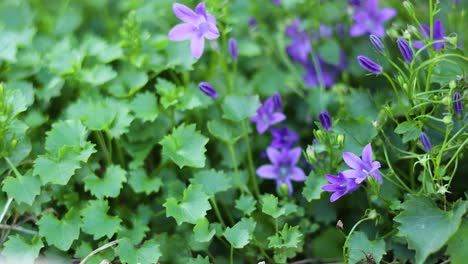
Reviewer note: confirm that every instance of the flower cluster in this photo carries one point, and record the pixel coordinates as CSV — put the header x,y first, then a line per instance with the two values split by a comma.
x,y
281,153
349,180
316,70
368,18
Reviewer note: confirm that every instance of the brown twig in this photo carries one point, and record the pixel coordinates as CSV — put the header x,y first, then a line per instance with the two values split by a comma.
x,y
103,247
18,228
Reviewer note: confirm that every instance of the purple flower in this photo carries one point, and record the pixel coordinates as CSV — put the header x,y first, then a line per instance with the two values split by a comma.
x,y
252,23
276,2
362,168
267,115
325,120
369,65
339,185
457,103
405,50
208,89
426,32
355,3
328,72
299,49
197,26
370,19
377,43
425,142
277,102
283,137
232,48
283,167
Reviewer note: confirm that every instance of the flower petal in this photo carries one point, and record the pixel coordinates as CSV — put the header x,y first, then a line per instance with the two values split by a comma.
x,y
358,176
297,174
181,32
353,161
274,155
212,32
357,30
386,14
197,45
367,154
337,195
276,118
331,188
184,13
267,172
201,9
333,179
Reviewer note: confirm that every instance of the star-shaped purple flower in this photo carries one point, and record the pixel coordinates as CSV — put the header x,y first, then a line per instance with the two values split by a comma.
x,y
426,32
283,137
197,26
370,19
362,168
339,185
267,115
283,167
299,49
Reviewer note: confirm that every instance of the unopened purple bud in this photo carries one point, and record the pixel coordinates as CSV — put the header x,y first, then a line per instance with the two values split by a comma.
x,y
232,48
356,3
425,142
325,120
369,65
405,50
457,103
377,43
208,89
252,23
277,102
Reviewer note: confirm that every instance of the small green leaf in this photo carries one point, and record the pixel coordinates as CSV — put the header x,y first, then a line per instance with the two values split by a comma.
x,y
98,75
202,231
199,260
147,253
97,222
426,227
239,107
409,129
286,244
246,204
358,133
224,130
65,133
192,207
240,234
313,186
270,206
185,146
140,182
17,250
457,244
359,246
145,106
107,186
23,188
57,170
212,181
60,233
137,232
330,51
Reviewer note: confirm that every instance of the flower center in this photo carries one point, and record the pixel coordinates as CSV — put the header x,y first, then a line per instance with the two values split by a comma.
x,y
203,27
283,172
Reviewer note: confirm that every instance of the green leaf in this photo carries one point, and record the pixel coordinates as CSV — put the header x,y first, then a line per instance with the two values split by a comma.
x,y
107,186
97,222
358,133
185,146
240,234
409,130
246,204
192,207
224,130
179,56
313,186
446,71
60,233
140,182
330,51
23,188
239,107
286,244
457,244
199,260
426,227
57,170
65,133
202,231
122,120
98,75
147,253
270,206
212,181
17,250
359,246
144,105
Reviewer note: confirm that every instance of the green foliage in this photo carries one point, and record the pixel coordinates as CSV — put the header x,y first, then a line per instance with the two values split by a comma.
x,y
96,221
240,234
191,208
239,107
270,206
107,186
23,189
202,231
212,181
409,130
147,253
246,204
426,227
141,183
60,233
286,244
359,246
19,250
313,186
457,244
185,146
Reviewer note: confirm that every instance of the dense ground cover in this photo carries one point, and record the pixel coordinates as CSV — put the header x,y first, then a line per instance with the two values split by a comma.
x,y
284,131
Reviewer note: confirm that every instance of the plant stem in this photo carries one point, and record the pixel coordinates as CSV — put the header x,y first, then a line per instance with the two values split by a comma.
x,y
103,147
13,167
18,228
218,214
250,160
349,235
231,255
94,252
234,164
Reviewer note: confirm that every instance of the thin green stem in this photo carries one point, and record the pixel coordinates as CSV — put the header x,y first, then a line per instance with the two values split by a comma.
x,y
120,155
232,153
102,145
253,177
12,166
350,233
218,214
231,255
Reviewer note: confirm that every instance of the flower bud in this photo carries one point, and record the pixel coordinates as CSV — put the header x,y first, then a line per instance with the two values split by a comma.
x,y
208,89
447,120
284,191
405,50
377,43
452,39
325,120
340,140
457,103
425,142
232,48
369,65
311,158
409,7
